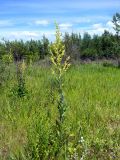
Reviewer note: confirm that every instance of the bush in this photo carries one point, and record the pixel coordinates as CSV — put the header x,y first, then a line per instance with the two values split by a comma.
x,y
107,64
4,73
89,53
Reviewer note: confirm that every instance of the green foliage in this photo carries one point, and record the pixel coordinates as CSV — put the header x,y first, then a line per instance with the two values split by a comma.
x,y
8,58
89,53
91,91
116,43
108,64
116,22
5,61
30,50
2,73
19,89
41,126
59,67
72,45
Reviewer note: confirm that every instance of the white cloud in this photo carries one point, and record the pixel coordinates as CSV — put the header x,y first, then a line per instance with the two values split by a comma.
x,y
65,26
97,28
27,35
41,22
110,24
17,35
20,34
97,25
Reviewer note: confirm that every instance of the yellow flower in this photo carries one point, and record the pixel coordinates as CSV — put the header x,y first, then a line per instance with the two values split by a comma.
x,y
57,53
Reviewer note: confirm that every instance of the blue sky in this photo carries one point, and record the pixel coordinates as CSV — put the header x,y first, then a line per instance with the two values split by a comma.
x,y
26,19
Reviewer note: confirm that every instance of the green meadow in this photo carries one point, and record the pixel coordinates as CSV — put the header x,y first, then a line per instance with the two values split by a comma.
x,y
92,96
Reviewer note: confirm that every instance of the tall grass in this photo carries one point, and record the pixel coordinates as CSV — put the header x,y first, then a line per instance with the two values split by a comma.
x,y
93,95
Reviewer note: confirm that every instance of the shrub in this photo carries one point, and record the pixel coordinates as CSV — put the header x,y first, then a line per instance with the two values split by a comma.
x,y
19,88
5,61
89,53
107,64
2,73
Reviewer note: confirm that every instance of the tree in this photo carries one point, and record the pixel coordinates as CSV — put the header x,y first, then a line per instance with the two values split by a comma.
x,y
72,45
106,45
85,45
116,22
45,47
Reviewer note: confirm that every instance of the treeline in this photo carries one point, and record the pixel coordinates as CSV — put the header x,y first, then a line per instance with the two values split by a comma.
x,y
107,45
93,47
30,50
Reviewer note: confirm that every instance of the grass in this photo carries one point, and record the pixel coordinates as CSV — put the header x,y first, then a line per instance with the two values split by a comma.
x,y
92,95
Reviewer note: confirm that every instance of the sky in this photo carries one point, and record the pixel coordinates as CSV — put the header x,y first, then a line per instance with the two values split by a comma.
x,y
31,19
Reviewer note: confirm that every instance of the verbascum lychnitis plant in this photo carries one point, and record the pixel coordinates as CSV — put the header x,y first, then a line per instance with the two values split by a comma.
x,y
60,66
21,90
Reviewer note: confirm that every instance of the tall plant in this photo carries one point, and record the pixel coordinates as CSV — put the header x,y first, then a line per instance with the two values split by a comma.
x,y
60,66
5,62
21,90
116,22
